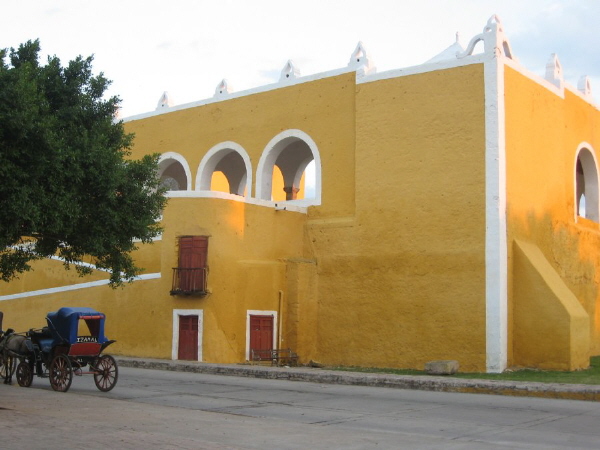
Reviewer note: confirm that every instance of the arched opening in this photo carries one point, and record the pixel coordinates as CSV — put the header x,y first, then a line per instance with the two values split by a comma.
x,y
174,172
292,157
586,185
225,168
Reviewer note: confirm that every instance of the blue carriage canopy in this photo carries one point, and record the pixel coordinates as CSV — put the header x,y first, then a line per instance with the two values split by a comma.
x,y
64,325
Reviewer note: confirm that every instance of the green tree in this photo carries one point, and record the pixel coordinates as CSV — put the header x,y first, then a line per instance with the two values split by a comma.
x,y
68,186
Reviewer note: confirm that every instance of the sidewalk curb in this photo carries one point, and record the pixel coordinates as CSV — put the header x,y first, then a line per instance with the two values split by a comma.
x,y
424,383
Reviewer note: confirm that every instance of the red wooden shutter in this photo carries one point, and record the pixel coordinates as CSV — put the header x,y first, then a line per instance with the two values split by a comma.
x,y
192,255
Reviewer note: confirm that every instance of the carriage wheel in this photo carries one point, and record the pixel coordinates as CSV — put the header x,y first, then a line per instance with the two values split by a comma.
x,y
106,373
61,373
24,374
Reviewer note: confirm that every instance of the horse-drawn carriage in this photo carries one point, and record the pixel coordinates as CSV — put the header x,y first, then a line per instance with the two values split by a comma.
x,y
73,341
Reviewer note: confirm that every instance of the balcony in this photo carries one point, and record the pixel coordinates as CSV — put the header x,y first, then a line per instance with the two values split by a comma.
x,y
190,281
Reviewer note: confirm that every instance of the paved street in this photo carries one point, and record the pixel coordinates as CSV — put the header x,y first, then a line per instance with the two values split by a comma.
x,y
153,409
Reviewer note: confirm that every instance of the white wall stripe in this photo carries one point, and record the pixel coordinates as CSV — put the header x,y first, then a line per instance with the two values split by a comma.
x,y
72,287
495,236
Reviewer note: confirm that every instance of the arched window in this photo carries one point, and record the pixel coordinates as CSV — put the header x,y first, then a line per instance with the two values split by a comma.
x,y
297,159
225,167
586,184
174,172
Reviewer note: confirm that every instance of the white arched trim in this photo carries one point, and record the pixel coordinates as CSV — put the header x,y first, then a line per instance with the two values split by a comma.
x,y
264,171
586,154
181,160
213,157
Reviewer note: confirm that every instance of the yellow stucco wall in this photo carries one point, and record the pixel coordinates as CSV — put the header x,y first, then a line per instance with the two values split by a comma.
x,y
47,274
385,272
403,281
249,245
241,277
551,328
389,270
543,133
248,249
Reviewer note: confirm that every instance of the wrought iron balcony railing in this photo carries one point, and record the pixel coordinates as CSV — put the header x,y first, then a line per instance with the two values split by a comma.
x,y
189,281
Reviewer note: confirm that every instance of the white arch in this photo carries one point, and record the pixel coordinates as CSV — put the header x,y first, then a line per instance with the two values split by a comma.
x,y
162,166
587,156
213,157
264,171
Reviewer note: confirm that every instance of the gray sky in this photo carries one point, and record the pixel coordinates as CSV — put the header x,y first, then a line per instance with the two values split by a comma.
x,y
187,47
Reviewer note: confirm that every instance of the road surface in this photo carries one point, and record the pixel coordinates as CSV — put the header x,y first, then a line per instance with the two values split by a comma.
x,y
152,409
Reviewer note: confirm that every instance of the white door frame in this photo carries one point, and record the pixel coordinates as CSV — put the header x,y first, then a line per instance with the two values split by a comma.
x,y
186,312
254,312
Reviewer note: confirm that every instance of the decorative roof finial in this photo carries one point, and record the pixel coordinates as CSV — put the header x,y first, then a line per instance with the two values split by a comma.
x,y
584,86
554,72
361,62
494,40
289,72
223,89
164,101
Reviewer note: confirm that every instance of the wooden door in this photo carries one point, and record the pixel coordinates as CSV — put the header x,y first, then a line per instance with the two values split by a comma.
x,y
192,259
188,338
261,333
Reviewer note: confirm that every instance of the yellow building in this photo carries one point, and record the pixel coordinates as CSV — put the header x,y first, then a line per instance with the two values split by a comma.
x,y
444,211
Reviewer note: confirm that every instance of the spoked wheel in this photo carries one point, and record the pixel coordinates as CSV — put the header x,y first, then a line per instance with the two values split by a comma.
x,y
106,373
24,374
61,373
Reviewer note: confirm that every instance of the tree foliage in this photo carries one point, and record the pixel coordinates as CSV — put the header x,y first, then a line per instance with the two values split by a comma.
x,y
68,187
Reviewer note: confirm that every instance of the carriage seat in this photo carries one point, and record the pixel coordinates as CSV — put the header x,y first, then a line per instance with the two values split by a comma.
x,y
42,338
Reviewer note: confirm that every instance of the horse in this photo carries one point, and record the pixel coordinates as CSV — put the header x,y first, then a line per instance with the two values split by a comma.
x,y
12,346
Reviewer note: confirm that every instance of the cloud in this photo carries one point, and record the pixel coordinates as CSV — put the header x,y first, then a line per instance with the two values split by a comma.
x,y
567,29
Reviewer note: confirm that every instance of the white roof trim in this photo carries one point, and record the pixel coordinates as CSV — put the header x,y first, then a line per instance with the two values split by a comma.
x,y
492,36
428,67
232,95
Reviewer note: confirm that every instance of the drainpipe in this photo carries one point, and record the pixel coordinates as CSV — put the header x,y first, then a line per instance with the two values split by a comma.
x,y
280,325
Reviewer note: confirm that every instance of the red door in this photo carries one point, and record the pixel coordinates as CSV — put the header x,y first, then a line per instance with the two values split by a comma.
x,y
192,261
188,338
261,333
